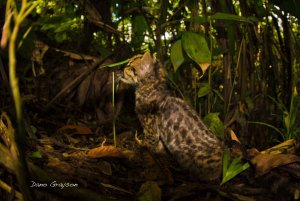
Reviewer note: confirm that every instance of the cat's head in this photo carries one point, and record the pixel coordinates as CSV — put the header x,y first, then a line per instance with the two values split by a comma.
x,y
139,67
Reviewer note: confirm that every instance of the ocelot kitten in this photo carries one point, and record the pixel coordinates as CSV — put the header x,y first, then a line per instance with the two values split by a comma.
x,y
171,124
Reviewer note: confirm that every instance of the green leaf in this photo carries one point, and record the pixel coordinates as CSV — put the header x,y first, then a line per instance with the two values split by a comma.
x,y
268,125
215,124
64,26
225,161
140,24
286,120
26,44
34,129
195,46
234,164
226,16
204,89
231,173
234,168
218,94
259,8
198,19
139,28
115,64
279,104
222,16
177,57
249,103
294,105
231,34
36,154
60,37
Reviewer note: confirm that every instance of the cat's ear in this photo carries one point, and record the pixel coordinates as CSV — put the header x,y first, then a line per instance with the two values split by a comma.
x,y
146,63
147,58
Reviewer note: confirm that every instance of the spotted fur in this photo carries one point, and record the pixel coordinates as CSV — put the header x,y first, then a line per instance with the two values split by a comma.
x,y
171,124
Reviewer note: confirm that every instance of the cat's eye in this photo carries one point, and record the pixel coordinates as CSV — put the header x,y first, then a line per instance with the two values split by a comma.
x,y
133,70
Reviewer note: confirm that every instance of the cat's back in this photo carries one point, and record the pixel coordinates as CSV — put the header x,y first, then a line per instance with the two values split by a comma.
x,y
189,140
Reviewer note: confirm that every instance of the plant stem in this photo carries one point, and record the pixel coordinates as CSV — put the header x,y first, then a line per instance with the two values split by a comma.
x,y
113,108
235,72
268,125
17,148
209,70
17,151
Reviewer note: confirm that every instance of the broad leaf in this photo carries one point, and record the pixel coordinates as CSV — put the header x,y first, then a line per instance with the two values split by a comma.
x,y
198,19
177,57
203,90
222,16
226,158
195,46
235,167
139,28
215,124
226,16
234,171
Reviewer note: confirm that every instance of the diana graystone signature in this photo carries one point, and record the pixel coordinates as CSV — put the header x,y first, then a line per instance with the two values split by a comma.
x,y
53,184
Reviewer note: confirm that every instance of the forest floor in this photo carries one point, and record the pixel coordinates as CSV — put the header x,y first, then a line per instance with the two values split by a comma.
x,y
71,149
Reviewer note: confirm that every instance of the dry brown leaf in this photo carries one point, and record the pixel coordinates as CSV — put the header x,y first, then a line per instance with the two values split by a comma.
x,y
72,140
116,188
5,29
110,151
105,151
77,129
233,136
7,130
149,191
287,146
124,136
204,67
59,165
105,167
266,162
252,152
77,154
48,148
76,56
